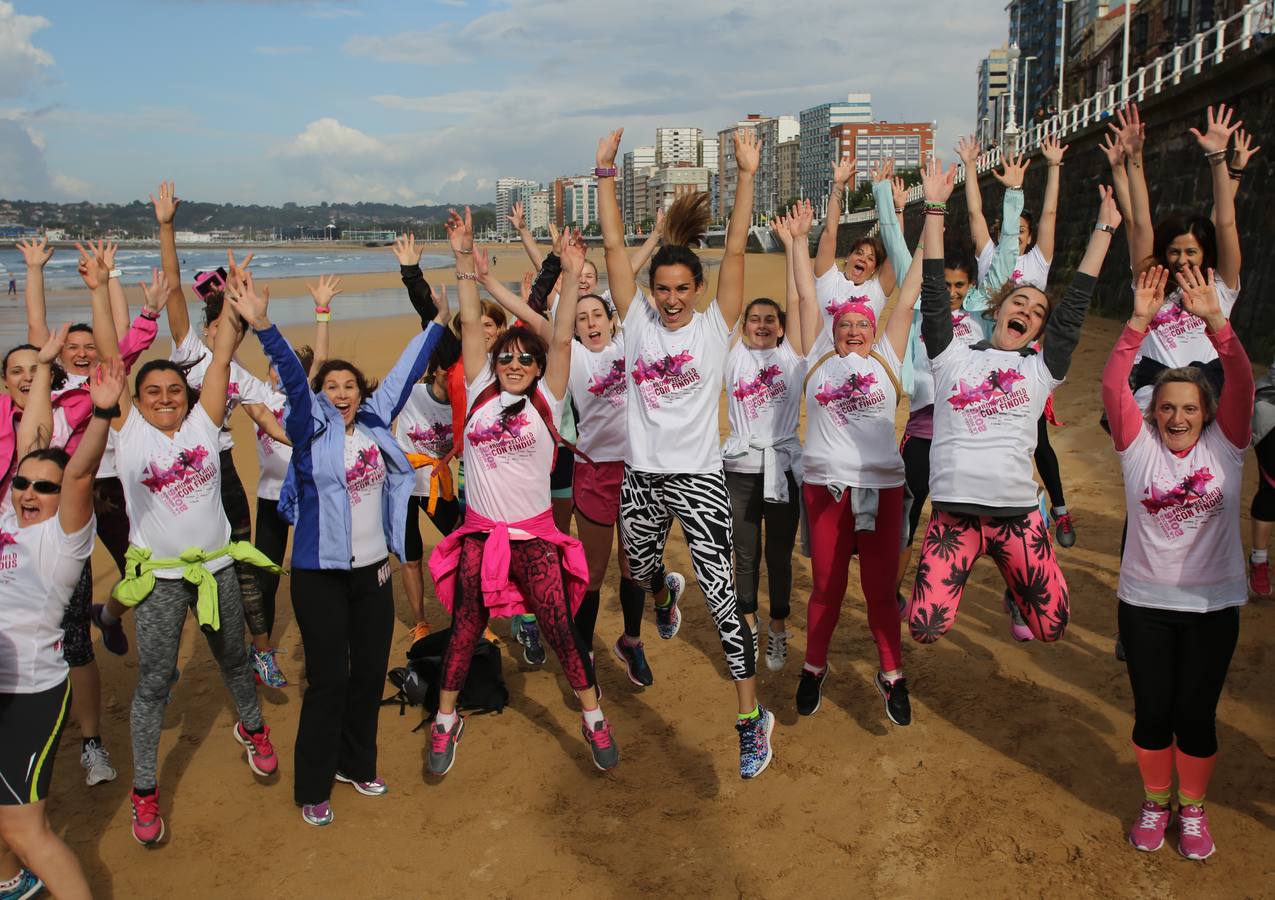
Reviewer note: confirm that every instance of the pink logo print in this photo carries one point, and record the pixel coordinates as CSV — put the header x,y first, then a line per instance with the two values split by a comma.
x,y
7,540
1168,315
188,463
855,384
959,316
278,415
1002,380
436,434
367,463
765,378
1181,494
598,386
1016,276
499,429
662,369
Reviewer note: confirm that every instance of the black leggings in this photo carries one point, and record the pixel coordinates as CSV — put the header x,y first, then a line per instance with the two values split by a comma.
x,y
235,501
445,518
272,540
916,472
1177,665
1263,508
749,510
1047,465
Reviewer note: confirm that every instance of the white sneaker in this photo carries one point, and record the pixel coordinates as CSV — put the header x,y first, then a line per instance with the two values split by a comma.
x,y
776,649
97,765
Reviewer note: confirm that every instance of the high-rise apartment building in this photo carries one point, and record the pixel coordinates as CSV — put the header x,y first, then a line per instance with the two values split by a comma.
x,y
633,207
581,199
908,143
1036,27
773,132
668,183
709,159
677,146
993,82
508,192
815,168
726,163
539,210
788,161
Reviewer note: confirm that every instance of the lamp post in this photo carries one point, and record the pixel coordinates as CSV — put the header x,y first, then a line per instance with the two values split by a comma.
x,y
1124,63
1062,58
1027,67
1011,115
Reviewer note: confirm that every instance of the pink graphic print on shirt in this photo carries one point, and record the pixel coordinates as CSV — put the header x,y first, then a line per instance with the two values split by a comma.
x,y
610,386
173,483
756,394
664,376
433,441
267,442
503,437
366,474
1172,322
8,560
994,396
850,399
1189,503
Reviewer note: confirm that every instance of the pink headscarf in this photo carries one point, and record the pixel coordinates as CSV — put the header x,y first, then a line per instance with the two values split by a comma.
x,y
854,306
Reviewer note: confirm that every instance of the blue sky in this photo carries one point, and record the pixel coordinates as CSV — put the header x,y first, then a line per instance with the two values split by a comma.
x,y
274,100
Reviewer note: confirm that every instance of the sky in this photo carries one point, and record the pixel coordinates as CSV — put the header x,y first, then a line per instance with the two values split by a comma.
x,y
268,101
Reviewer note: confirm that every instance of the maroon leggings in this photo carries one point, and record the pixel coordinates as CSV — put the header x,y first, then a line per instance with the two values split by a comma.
x,y
535,568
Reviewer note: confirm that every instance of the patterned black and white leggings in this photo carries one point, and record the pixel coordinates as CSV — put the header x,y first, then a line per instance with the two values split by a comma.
x,y
648,503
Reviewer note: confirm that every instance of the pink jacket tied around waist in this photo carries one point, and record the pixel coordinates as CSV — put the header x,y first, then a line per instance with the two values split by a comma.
x,y
500,595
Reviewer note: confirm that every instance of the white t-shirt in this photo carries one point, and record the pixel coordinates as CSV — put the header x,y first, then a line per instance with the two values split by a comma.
x,y
763,399
244,387
832,289
1178,338
967,328
599,388
850,404
39,568
424,426
985,416
675,389
272,456
507,464
1030,268
172,488
365,483
1184,549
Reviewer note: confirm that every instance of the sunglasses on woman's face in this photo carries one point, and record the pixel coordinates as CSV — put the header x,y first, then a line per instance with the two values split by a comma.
x,y
524,359
41,487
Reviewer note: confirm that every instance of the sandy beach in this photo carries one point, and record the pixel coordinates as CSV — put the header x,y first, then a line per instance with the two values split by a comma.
x,y
1015,779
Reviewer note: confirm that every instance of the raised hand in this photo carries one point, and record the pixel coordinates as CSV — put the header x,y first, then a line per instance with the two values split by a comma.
x,y
968,150
1217,135
883,170
1244,150
1130,129
573,253
1113,149
1108,211
460,231
528,278
166,204
1148,296
52,348
1052,150
800,219
92,267
106,383
556,238
936,183
899,191
482,265
242,295
1013,170
156,293
327,288
608,147
843,170
516,218
440,300
109,249
35,253
747,150
1199,296
779,225
659,219
406,251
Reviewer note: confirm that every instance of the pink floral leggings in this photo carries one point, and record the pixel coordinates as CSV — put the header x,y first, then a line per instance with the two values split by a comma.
x,y
535,568
1020,547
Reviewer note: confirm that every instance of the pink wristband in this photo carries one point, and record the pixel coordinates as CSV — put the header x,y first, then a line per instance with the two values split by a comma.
x,y
322,309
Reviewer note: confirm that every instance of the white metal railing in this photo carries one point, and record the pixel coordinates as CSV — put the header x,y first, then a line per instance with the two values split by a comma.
x,y
1186,60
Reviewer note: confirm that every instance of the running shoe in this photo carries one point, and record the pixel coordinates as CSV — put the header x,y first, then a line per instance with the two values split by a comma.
x,y
777,649
634,658
1065,530
374,788
668,618
420,630
755,751
148,824
263,666
1194,840
317,813
1017,624
526,631
606,753
1147,834
810,691
442,746
261,756
895,694
27,885
113,637
1259,579
97,764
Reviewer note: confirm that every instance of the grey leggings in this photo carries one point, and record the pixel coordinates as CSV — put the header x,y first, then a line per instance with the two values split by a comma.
x,y
748,510
158,622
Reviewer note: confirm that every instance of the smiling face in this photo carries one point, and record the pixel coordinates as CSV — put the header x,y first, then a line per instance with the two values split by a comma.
x,y
588,278
1020,319
1179,414
162,400
593,328
31,506
1184,250
762,330
854,333
18,374
342,388
518,374
675,292
861,264
958,285
490,331
79,353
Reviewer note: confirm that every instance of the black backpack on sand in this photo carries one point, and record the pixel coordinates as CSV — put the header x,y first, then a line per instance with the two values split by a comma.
x,y
419,682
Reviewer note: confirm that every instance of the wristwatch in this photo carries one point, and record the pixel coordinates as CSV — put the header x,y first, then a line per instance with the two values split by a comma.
x,y
600,172
1103,226
116,273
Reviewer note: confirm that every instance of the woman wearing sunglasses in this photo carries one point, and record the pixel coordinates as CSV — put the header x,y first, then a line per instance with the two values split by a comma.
x,y
508,557
45,538
346,494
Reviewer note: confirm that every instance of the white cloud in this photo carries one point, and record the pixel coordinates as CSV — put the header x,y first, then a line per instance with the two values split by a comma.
x,y
328,138
21,62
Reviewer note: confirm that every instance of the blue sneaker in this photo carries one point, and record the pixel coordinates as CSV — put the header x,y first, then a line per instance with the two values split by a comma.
x,y
526,631
29,885
265,668
668,619
755,750
634,658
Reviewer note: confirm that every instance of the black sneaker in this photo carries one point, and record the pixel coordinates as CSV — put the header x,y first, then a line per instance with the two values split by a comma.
x,y
1065,531
634,658
606,754
895,694
810,691
527,632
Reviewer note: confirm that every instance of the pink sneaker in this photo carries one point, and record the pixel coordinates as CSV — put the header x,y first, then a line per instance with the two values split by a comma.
x,y
1017,624
1147,834
1259,578
1194,840
148,824
261,758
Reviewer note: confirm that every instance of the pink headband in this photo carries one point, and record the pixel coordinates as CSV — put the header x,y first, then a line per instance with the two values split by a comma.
x,y
854,306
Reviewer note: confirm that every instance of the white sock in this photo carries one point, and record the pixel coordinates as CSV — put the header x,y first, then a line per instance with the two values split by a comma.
x,y
812,670
447,720
592,717
12,883
1257,556
1059,511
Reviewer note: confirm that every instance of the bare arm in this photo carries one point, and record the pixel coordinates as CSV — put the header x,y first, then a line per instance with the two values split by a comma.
x,y
230,331
558,362
1131,131
264,419
75,509
968,151
518,220
936,313
1113,150
1214,142
804,279
35,429
730,277
165,209
473,343
899,327
115,290
620,276
35,254
323,294
1244,151
511,302
826,252
1053,152
649,246
792,302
